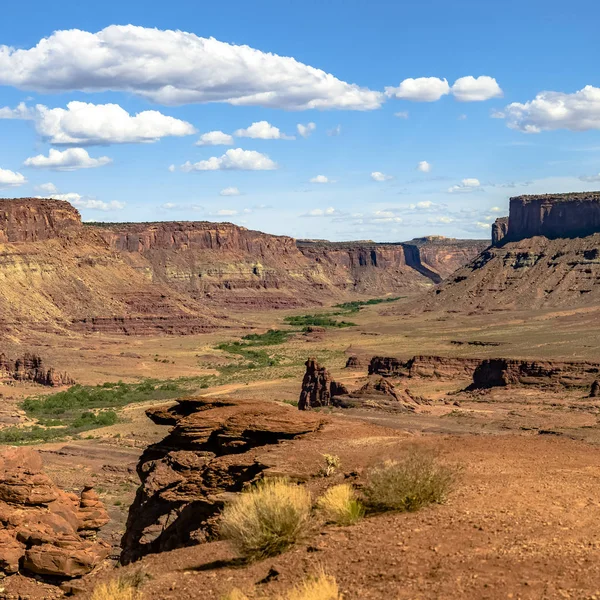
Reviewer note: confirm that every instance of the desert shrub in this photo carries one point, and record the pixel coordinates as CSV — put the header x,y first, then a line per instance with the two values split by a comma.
x,y
323,320
340,505
116,589
332,464
356,305
410,484
267,519
235,594
320,587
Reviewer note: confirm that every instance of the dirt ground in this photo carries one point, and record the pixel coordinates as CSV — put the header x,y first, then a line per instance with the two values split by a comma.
x,y
523,522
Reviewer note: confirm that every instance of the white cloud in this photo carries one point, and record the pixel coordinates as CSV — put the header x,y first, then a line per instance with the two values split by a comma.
x,y
495,209
175,206
305,130
86,123
22,111
379,176
421,89
424,166
47,188
321,179
466,185
229,191
67,160
579,111
233,159
225,212
172,168
11,178
322,212
337,130
263,130
424,204
403,114
441,219
481,225
462,117
80,201
471,89
215,138
590,178
175,67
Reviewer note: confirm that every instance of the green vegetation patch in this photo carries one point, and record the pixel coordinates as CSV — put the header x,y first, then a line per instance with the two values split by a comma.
x,y
356,305
322,320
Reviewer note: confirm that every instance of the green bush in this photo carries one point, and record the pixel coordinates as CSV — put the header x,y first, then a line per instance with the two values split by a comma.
x,y
410,484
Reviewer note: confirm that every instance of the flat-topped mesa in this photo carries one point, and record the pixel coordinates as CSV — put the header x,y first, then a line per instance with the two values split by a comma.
x,y
35,219
193,235
554,216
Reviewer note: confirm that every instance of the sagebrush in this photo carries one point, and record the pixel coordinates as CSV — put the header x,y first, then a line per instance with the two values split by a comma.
x,y
319,587
410,484
117,589
267,519
339,505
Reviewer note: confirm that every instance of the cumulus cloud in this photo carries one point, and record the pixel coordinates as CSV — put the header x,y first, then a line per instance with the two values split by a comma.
x,y
86,123
476,89
466,185
46,188
379,176
233,159
86,202
263,130
430,89
225,212
321,179
579,111
424,204
337,130
22,111
424,166
322,212
215,138
495,209
421,89
175,206
305,130
229,191
175,67
11,179
67,160
403,114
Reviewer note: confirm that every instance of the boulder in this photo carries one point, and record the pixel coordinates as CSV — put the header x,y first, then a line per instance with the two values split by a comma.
x,y
41,522
354,362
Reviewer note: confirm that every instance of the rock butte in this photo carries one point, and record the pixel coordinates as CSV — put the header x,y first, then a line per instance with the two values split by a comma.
x,y
183,277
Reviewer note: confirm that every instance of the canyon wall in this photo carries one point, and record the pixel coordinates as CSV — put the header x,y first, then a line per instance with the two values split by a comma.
x,y
184,277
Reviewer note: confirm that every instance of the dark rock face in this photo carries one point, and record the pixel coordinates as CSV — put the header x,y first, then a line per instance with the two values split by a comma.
x,y
441,367
216,447
40,522
595,389
31,367
499,230
318,387
554,215
503,371
354,362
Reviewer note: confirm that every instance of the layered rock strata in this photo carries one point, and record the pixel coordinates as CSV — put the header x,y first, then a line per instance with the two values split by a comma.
x,y
31,367
42,526
216,447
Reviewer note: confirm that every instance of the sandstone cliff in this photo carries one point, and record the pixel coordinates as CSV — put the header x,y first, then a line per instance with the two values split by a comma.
x,y
57,273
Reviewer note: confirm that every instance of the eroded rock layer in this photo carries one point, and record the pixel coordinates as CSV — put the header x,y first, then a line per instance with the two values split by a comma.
x,y
41,524
31,367
217,446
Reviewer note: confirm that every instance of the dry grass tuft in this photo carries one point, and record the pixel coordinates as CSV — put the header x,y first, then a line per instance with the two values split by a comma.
x,y
410,484
267,519
332,464
321,587
235,594
340,505
116,590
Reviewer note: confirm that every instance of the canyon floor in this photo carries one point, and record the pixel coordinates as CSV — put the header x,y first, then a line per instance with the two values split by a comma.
x,y
523,522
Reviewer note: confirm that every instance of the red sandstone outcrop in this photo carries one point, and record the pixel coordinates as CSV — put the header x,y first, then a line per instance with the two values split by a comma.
x,y
377,393
499,230
215,447
503,371
441,367
41,522
31,367
354,362
318,387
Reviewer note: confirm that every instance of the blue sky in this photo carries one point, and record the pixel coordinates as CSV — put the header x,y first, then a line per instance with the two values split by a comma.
x,y
426,116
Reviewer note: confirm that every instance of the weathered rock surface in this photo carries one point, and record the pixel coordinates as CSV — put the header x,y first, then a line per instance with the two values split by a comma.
x,y
179,277
318,387
354,362
499,230
377,393
31,367
41,522
502,372
217,446
441,367
595,389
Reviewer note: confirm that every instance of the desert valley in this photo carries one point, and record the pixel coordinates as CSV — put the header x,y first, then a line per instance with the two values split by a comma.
x,y
154,373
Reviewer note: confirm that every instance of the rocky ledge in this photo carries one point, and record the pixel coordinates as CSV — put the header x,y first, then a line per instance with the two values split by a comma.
x,y
216,446
45,531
